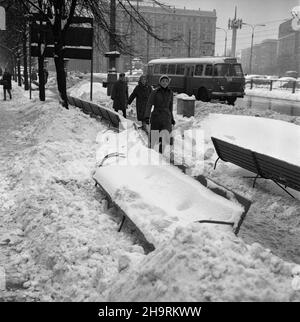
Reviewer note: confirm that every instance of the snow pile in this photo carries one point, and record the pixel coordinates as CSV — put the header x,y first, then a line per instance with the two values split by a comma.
x,y
82,91
58,241
157,197
201,263
275,138
186,97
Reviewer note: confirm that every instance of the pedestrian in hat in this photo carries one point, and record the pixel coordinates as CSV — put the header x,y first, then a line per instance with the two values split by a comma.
x,y
119,94
161,118
141,93
6,81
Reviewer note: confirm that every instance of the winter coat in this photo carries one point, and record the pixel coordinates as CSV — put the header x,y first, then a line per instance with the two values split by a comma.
x,y
141,93
7,79
162,115
119,95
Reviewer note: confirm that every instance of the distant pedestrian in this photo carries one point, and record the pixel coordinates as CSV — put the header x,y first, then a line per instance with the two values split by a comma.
x,y
161,119
141,92
6,82
46,74
119,95
1,71
34,75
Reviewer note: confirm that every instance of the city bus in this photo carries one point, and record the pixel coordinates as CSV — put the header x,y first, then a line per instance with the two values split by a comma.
x,y
206,77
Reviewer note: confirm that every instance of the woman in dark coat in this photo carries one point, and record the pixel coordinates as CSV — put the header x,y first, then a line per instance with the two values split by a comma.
x,y
141,92
119,94
6,78
161,118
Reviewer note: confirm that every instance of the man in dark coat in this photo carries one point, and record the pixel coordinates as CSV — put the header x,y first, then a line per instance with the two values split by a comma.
x,y
6,79
141,92
119,94
161,118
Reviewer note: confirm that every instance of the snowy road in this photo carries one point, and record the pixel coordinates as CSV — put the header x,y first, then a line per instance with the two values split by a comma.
x,y
263,103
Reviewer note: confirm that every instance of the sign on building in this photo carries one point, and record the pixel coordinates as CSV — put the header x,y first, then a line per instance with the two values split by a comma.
x,y
2,19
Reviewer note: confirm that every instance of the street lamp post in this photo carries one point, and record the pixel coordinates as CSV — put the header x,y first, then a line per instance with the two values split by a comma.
x,y
252,37
225,50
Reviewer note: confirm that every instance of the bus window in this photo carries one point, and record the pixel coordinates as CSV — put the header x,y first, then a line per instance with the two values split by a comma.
x,y
208,70
163,69
236,70
221,70
150,70
180,69
199,70
156,69
171,69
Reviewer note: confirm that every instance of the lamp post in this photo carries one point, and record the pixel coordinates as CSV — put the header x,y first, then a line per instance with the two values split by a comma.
x,y
225,50
252,37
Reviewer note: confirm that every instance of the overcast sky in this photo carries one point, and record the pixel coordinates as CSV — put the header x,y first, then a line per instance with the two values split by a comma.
x,y
268,12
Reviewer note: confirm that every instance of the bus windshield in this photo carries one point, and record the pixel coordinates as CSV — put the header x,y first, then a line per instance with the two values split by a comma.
x,y
228,70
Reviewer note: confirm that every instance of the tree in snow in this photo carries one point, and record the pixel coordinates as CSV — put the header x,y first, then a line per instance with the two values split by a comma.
x,y
58,14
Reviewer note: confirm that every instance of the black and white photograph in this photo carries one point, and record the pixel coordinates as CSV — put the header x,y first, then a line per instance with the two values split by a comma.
x,y
149,153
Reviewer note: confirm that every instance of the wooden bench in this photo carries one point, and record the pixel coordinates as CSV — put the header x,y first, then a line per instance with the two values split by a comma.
x,y
264,166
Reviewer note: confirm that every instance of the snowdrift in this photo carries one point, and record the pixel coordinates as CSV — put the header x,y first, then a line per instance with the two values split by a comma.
x,y
155,195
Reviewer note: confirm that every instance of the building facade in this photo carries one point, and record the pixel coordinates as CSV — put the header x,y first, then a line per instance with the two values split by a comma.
x,y
191,33
288,51
264,58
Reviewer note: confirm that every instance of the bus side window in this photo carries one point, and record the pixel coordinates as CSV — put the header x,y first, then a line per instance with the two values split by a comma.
x,y
208,70
156,69
180,69
163,69
171,69
150,70
199,70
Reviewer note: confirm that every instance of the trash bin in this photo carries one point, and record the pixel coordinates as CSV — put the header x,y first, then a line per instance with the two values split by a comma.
x,y
179,106
188,107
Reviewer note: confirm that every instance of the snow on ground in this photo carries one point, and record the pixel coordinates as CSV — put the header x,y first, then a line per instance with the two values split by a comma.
x,y
59,242
158,197
275,138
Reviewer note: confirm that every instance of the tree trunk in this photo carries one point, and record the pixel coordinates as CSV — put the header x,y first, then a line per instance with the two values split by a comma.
x,y
60,72
26,83
19,71
41,78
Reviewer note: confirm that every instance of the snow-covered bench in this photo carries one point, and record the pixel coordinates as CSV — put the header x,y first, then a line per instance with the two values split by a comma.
x,y
264,166
93,109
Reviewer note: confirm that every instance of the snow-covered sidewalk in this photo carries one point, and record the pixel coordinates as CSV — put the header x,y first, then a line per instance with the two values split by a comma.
x,y
59,242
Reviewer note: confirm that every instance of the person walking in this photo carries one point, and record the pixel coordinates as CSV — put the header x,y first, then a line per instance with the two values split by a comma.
x,y
119,94
141,93
6,81
161,118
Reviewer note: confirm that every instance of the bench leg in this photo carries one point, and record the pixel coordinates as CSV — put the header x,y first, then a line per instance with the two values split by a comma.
x,y
122,223
283,188
216,163
255,178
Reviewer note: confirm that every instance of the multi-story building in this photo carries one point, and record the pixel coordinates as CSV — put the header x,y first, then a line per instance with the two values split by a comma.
x,y
288,51
185,33
264,58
